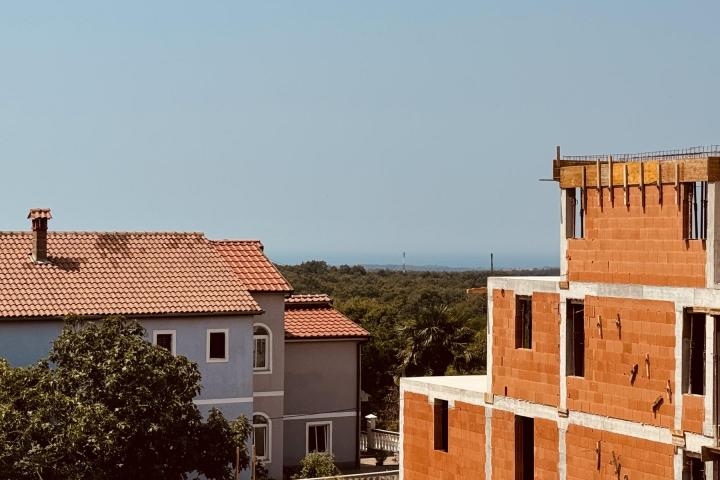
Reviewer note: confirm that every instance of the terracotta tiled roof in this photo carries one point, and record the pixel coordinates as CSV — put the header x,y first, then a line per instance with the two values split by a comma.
x,y
305,318
254,269
309,299
96,273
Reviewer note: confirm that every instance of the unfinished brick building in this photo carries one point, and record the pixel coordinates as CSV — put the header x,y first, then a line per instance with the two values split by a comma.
x,y
610,369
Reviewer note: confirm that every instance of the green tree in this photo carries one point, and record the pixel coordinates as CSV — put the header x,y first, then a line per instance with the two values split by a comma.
x,y
108,405
433,338
386,302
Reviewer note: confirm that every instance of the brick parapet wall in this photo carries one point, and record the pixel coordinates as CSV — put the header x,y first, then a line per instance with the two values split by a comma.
x,y
640,456
466,441
646,327
527,374
636,245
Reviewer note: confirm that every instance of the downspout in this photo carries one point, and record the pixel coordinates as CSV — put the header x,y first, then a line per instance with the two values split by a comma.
x,y
357,409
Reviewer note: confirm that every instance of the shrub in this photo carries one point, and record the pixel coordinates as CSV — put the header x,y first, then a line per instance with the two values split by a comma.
x,y
316,464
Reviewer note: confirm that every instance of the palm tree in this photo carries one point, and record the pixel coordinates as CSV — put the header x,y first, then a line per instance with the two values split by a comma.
x,y
432,341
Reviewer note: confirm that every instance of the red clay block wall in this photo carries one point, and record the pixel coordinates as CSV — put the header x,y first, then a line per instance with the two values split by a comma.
x,y
532,375
646,327
635,246
638,458
693,413
465,458
503,445
546,450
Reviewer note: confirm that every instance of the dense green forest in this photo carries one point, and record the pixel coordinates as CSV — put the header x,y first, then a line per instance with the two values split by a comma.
x,y
421,323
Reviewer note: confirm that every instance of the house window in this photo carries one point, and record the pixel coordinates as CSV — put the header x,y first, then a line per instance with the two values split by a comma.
x,y
440,424
695,210
261,436
165,339
523,321
524,448
319,437
217,345
262,349
575,338
694,353
575,215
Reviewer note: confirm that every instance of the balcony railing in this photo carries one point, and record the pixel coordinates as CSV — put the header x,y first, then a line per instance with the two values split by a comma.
x,y
379,439
389,475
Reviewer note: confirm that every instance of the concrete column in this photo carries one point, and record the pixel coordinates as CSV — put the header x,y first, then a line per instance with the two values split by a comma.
x,y
563,352
371,425
562,453
489,337
567,205
712,245
678,464
488,443
677,388
401,455
708,427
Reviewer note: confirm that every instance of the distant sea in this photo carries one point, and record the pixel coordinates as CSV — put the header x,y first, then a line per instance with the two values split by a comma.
x,y
427,262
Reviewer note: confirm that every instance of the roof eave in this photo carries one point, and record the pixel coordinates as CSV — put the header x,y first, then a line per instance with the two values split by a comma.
x,y
95,316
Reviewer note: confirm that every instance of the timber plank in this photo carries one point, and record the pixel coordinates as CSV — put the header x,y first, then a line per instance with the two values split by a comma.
x,y
691,170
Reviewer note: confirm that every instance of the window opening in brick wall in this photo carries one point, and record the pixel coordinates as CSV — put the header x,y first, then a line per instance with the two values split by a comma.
x,y
694,353
440,423
524,448
693,467
523,321
575,338
696,200
576,214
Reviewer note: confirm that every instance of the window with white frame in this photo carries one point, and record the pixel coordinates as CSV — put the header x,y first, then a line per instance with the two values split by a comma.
x,y
261,436
217,345
165,339
262,349
319,437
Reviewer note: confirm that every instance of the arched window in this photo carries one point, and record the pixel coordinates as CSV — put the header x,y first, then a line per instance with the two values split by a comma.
x,y
261,436
262,349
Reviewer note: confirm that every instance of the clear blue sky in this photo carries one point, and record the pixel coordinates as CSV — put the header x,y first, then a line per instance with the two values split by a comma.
x,y
350,131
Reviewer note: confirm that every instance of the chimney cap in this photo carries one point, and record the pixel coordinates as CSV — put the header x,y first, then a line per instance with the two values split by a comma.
x,y
36,213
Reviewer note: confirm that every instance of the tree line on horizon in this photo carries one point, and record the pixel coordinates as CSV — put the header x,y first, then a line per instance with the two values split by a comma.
x,y
420,322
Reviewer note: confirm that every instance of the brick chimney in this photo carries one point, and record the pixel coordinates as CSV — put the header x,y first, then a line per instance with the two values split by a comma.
x,y
39,218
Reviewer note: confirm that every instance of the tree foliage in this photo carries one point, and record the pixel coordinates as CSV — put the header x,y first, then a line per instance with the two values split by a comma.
x,y
317,464
106,404
421,323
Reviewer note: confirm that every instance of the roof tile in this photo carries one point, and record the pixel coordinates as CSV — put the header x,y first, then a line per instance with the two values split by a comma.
x,y
103,273
254,269
307,319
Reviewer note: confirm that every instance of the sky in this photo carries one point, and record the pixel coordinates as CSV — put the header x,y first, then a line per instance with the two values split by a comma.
x,y
336,130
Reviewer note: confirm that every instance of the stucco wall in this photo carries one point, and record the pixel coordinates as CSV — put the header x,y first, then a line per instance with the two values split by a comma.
x,y
320,377
24,342
343,440
321,382
269,386
273,305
